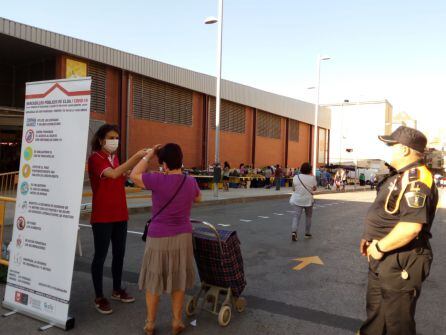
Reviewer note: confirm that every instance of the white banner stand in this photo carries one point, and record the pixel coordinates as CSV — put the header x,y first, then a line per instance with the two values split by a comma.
x,y
52,164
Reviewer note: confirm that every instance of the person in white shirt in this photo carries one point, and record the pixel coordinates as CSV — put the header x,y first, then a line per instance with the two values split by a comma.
x,y
304,184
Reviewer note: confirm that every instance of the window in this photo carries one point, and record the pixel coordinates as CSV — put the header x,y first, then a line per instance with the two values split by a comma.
x,y
161,102
293,130
98,75
232,116
268,125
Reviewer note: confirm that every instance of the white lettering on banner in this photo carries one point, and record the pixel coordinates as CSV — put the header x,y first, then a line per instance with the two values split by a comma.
x,y
54,146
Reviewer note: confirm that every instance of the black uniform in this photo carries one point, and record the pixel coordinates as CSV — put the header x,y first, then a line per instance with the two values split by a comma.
x,y
394,282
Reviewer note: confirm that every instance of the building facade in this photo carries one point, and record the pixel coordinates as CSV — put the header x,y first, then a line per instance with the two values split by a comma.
x,y
153,102
355,127
436,160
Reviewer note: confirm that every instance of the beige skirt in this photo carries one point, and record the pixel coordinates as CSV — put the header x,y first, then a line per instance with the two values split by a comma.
x,y
168,264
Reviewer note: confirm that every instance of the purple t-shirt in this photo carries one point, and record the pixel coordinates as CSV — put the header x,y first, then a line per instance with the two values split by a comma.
x,y
175,218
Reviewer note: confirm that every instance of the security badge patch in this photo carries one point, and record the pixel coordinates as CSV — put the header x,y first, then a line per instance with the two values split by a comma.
x,y
415,198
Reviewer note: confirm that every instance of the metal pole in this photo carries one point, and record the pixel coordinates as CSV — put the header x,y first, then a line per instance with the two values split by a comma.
x,y
127,130
355,156
218,91
316,112
341,131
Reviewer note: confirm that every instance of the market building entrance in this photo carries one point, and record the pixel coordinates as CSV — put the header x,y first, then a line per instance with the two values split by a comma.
x,y
20,62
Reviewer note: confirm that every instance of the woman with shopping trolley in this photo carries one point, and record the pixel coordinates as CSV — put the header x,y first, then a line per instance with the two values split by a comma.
x,y
168,265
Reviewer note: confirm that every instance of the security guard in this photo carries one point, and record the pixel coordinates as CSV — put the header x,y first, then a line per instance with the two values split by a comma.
x,y
396,237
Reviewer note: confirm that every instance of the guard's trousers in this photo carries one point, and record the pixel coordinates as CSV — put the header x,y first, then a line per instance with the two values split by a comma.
x,y
391,299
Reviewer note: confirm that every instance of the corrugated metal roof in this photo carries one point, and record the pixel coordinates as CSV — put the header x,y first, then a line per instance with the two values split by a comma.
x,y
242,94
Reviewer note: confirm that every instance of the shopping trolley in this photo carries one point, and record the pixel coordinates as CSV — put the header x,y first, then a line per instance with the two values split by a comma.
x,y
220,267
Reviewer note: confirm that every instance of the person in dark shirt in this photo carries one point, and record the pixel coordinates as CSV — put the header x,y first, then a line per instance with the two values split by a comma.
x,y
396,237
278,174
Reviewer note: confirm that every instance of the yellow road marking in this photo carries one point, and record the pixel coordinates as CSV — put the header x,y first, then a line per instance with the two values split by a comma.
x,y
305,261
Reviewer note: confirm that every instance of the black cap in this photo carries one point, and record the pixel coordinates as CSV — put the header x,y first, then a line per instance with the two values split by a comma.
x,y
409,137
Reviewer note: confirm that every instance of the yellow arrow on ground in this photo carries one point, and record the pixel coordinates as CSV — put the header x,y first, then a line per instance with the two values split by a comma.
x,y
304,261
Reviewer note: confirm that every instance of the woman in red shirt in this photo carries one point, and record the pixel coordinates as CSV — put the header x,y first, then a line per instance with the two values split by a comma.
x,y
109,216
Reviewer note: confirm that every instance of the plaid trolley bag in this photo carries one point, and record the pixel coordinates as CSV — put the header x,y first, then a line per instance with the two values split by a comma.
x,y
220,266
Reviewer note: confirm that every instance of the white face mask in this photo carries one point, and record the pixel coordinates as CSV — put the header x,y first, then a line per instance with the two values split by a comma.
x,y
111,145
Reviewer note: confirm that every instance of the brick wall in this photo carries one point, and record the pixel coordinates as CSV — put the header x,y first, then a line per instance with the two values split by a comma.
x,y
271,151
145,133
112,96
111,114
234,148
299,152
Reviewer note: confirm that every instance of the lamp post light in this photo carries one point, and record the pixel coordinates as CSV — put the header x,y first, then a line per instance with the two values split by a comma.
x,y
219,21
316,109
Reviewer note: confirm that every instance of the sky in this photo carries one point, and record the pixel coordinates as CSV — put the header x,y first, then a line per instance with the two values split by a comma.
x,y
380,49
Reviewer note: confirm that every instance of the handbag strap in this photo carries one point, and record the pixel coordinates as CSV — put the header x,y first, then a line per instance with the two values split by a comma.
x,y
170,200
298,177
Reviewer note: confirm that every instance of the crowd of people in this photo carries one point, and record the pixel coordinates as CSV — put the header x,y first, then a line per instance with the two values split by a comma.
x,y
168,261
273,176
392,226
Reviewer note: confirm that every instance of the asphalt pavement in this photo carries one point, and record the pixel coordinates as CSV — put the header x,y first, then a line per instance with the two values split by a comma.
x,y
326,298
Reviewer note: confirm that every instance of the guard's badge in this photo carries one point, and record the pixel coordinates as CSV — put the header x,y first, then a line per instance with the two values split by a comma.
x,y
415,199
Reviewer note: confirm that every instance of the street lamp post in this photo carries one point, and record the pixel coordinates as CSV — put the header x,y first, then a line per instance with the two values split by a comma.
x,y
316,109
341,137
219,21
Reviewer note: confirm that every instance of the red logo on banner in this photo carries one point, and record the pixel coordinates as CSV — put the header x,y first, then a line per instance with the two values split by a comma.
x,y
29,136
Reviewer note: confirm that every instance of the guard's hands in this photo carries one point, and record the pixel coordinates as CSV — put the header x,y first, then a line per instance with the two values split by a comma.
x,y
373,252
363,247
